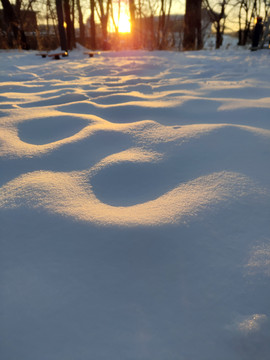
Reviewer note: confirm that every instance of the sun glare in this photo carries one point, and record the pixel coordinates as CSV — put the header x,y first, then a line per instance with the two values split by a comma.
x,y
124,23
121,18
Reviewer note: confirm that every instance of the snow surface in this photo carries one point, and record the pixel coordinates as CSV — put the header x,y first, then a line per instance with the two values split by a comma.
x,y
135,205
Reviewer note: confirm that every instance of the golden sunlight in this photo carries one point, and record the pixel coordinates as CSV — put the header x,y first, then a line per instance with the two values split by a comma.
x,y
124,23
120,20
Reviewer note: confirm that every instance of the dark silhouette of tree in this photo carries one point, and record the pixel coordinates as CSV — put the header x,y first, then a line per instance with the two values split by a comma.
x,y
218,19
73,19
164,19
192,28
103,10
92,25
61,28
69,25
248,11
132,12
50,16
81,24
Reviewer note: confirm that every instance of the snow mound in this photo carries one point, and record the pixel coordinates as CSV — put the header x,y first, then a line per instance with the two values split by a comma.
x,y
135,205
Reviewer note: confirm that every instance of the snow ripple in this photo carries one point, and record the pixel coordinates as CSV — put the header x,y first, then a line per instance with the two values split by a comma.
x,y
125,142
135,184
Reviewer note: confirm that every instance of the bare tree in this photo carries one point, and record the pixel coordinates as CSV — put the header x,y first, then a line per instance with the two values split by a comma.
x,y
116,8
266,5
151,11
164,18
248,11
218,17
50,38
103,10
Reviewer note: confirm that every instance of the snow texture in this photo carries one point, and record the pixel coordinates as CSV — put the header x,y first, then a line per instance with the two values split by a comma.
x,y
135,206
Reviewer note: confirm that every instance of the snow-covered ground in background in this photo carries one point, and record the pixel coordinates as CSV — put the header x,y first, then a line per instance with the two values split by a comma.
x,y
135,206
229,42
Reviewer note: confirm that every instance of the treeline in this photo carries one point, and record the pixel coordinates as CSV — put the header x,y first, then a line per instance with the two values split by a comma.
x,y
46,24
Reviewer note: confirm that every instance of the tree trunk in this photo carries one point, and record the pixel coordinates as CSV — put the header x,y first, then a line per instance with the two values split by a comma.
x,y
192,29
73,21
61,29
104,16
81,24
161,26
132,9
92,26
219,37
104,30
240,31
152,32
70,40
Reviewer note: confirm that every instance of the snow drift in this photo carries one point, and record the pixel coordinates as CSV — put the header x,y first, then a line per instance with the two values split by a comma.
x,y
134,206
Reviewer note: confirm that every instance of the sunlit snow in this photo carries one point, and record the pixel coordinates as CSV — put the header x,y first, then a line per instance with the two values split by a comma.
x,y
135,206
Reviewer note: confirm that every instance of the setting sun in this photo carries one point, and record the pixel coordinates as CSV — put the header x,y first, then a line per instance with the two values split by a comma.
x,y
120,20
124,23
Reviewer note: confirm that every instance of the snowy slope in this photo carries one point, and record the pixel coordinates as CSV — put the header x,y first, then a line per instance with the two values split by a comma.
x,y
135,205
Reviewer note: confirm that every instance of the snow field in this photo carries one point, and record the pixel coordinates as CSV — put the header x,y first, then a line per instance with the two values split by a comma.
x,y
134,205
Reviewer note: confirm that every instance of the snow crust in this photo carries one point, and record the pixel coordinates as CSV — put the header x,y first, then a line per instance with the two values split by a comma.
x,y
135,206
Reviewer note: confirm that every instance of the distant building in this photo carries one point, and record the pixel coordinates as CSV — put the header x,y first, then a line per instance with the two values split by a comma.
x,y
26,21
